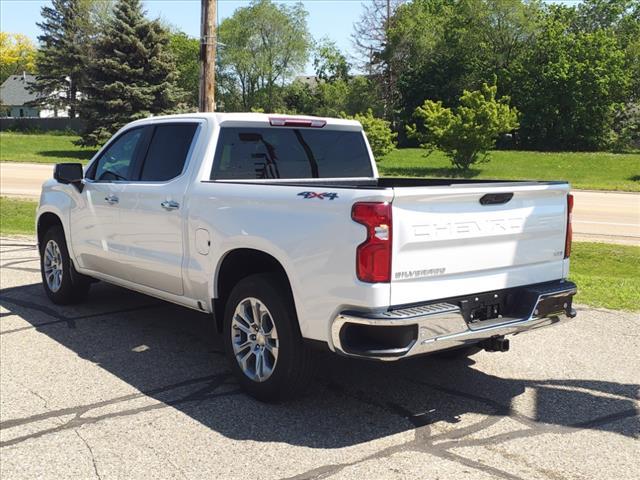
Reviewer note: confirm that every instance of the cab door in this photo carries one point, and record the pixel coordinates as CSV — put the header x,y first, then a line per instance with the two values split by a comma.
x,y
96,219
151,208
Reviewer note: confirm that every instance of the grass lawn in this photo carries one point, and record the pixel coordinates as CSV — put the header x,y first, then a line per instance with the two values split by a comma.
x,y
586,170
607,275
41,148
17,216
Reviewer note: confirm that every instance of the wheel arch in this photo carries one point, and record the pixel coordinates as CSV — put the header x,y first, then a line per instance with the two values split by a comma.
x,y
240,263
45,221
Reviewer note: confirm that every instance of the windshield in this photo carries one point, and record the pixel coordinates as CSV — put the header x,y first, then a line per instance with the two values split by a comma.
x,y
270,152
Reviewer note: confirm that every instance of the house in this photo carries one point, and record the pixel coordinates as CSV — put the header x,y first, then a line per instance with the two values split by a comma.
x,y
16,99
310,80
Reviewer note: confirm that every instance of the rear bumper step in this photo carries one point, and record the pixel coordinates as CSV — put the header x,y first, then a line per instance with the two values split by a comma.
x,y
420,329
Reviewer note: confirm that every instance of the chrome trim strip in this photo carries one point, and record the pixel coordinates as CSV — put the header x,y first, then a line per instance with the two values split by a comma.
x,y
447,328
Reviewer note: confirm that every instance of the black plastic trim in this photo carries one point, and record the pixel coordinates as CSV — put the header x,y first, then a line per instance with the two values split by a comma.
x,y
444,305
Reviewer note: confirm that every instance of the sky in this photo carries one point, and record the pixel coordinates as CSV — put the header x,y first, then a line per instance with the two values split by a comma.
x,y
327,18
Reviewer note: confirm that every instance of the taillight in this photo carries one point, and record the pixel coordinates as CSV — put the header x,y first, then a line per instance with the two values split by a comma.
x,y
569,237
373,256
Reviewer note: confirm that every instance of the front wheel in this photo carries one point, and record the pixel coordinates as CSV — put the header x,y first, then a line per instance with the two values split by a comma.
x,y
262,339
62,283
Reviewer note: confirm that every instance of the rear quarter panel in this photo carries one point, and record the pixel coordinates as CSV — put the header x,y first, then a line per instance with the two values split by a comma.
x,y
314,240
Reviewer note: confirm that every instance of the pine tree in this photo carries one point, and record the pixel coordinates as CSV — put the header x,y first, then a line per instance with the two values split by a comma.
x,y
61,61
131,74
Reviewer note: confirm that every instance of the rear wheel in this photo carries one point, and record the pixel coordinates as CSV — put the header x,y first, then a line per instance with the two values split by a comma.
x,y
262,339
62,283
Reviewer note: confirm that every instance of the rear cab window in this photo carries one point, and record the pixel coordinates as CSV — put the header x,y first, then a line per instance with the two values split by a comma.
x,y
256,153
168,150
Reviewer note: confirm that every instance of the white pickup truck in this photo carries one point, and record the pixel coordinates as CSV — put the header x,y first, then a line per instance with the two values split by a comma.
x,y
281,228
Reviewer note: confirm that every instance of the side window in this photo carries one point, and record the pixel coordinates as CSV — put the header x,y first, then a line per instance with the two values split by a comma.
x,y
168,151
117,161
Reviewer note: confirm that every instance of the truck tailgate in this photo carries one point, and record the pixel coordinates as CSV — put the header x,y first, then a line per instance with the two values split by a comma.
x,y
447,242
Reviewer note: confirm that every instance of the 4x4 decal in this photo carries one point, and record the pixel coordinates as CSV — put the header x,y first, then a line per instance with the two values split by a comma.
x,y
321,196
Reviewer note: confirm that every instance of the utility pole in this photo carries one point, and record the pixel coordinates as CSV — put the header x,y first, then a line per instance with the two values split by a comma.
x,y
208,55
388,101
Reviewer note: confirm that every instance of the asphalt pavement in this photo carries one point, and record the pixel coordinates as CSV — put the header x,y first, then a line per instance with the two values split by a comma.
x,y
607,217
19,179
127,386
598,216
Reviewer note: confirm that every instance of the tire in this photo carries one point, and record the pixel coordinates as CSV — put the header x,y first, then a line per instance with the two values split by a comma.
x,y
287,370
62,283
458,353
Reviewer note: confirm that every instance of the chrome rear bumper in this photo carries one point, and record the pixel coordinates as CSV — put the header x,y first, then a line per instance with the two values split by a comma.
x,y
428,328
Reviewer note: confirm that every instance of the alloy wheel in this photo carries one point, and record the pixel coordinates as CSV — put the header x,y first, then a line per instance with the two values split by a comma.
x,y
53,266
255,339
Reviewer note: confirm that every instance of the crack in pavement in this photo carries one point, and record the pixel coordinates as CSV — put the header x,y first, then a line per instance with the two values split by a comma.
x,y
167,458
21,248
424,441
207,392
21,261
93,458
60,318
80,409
425,438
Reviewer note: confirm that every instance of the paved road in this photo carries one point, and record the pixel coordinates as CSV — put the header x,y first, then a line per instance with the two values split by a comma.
x,y
127,386
598,216
607,216
23,179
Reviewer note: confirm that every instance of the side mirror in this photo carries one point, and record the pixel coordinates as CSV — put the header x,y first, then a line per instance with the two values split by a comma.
x,y
69,173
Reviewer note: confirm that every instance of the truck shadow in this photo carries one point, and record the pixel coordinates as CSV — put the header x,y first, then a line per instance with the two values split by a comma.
x,y
173,355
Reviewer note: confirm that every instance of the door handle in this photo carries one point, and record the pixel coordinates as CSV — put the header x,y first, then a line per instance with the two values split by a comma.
x,y
496,198
170,205
111,199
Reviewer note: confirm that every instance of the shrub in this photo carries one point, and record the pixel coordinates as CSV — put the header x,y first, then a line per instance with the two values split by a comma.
x,y
379,134
626,128
466,133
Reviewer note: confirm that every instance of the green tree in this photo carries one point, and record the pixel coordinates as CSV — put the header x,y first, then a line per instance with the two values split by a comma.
x,y
63,55
17,55
381,138
622,19
467,132
626,127
329,62
299,97
364,94
186,53
332,98
570,85
131,75
265,44
99,15
446,47
371,37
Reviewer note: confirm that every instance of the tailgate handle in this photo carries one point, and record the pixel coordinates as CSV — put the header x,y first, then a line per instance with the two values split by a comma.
x,y
496,198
